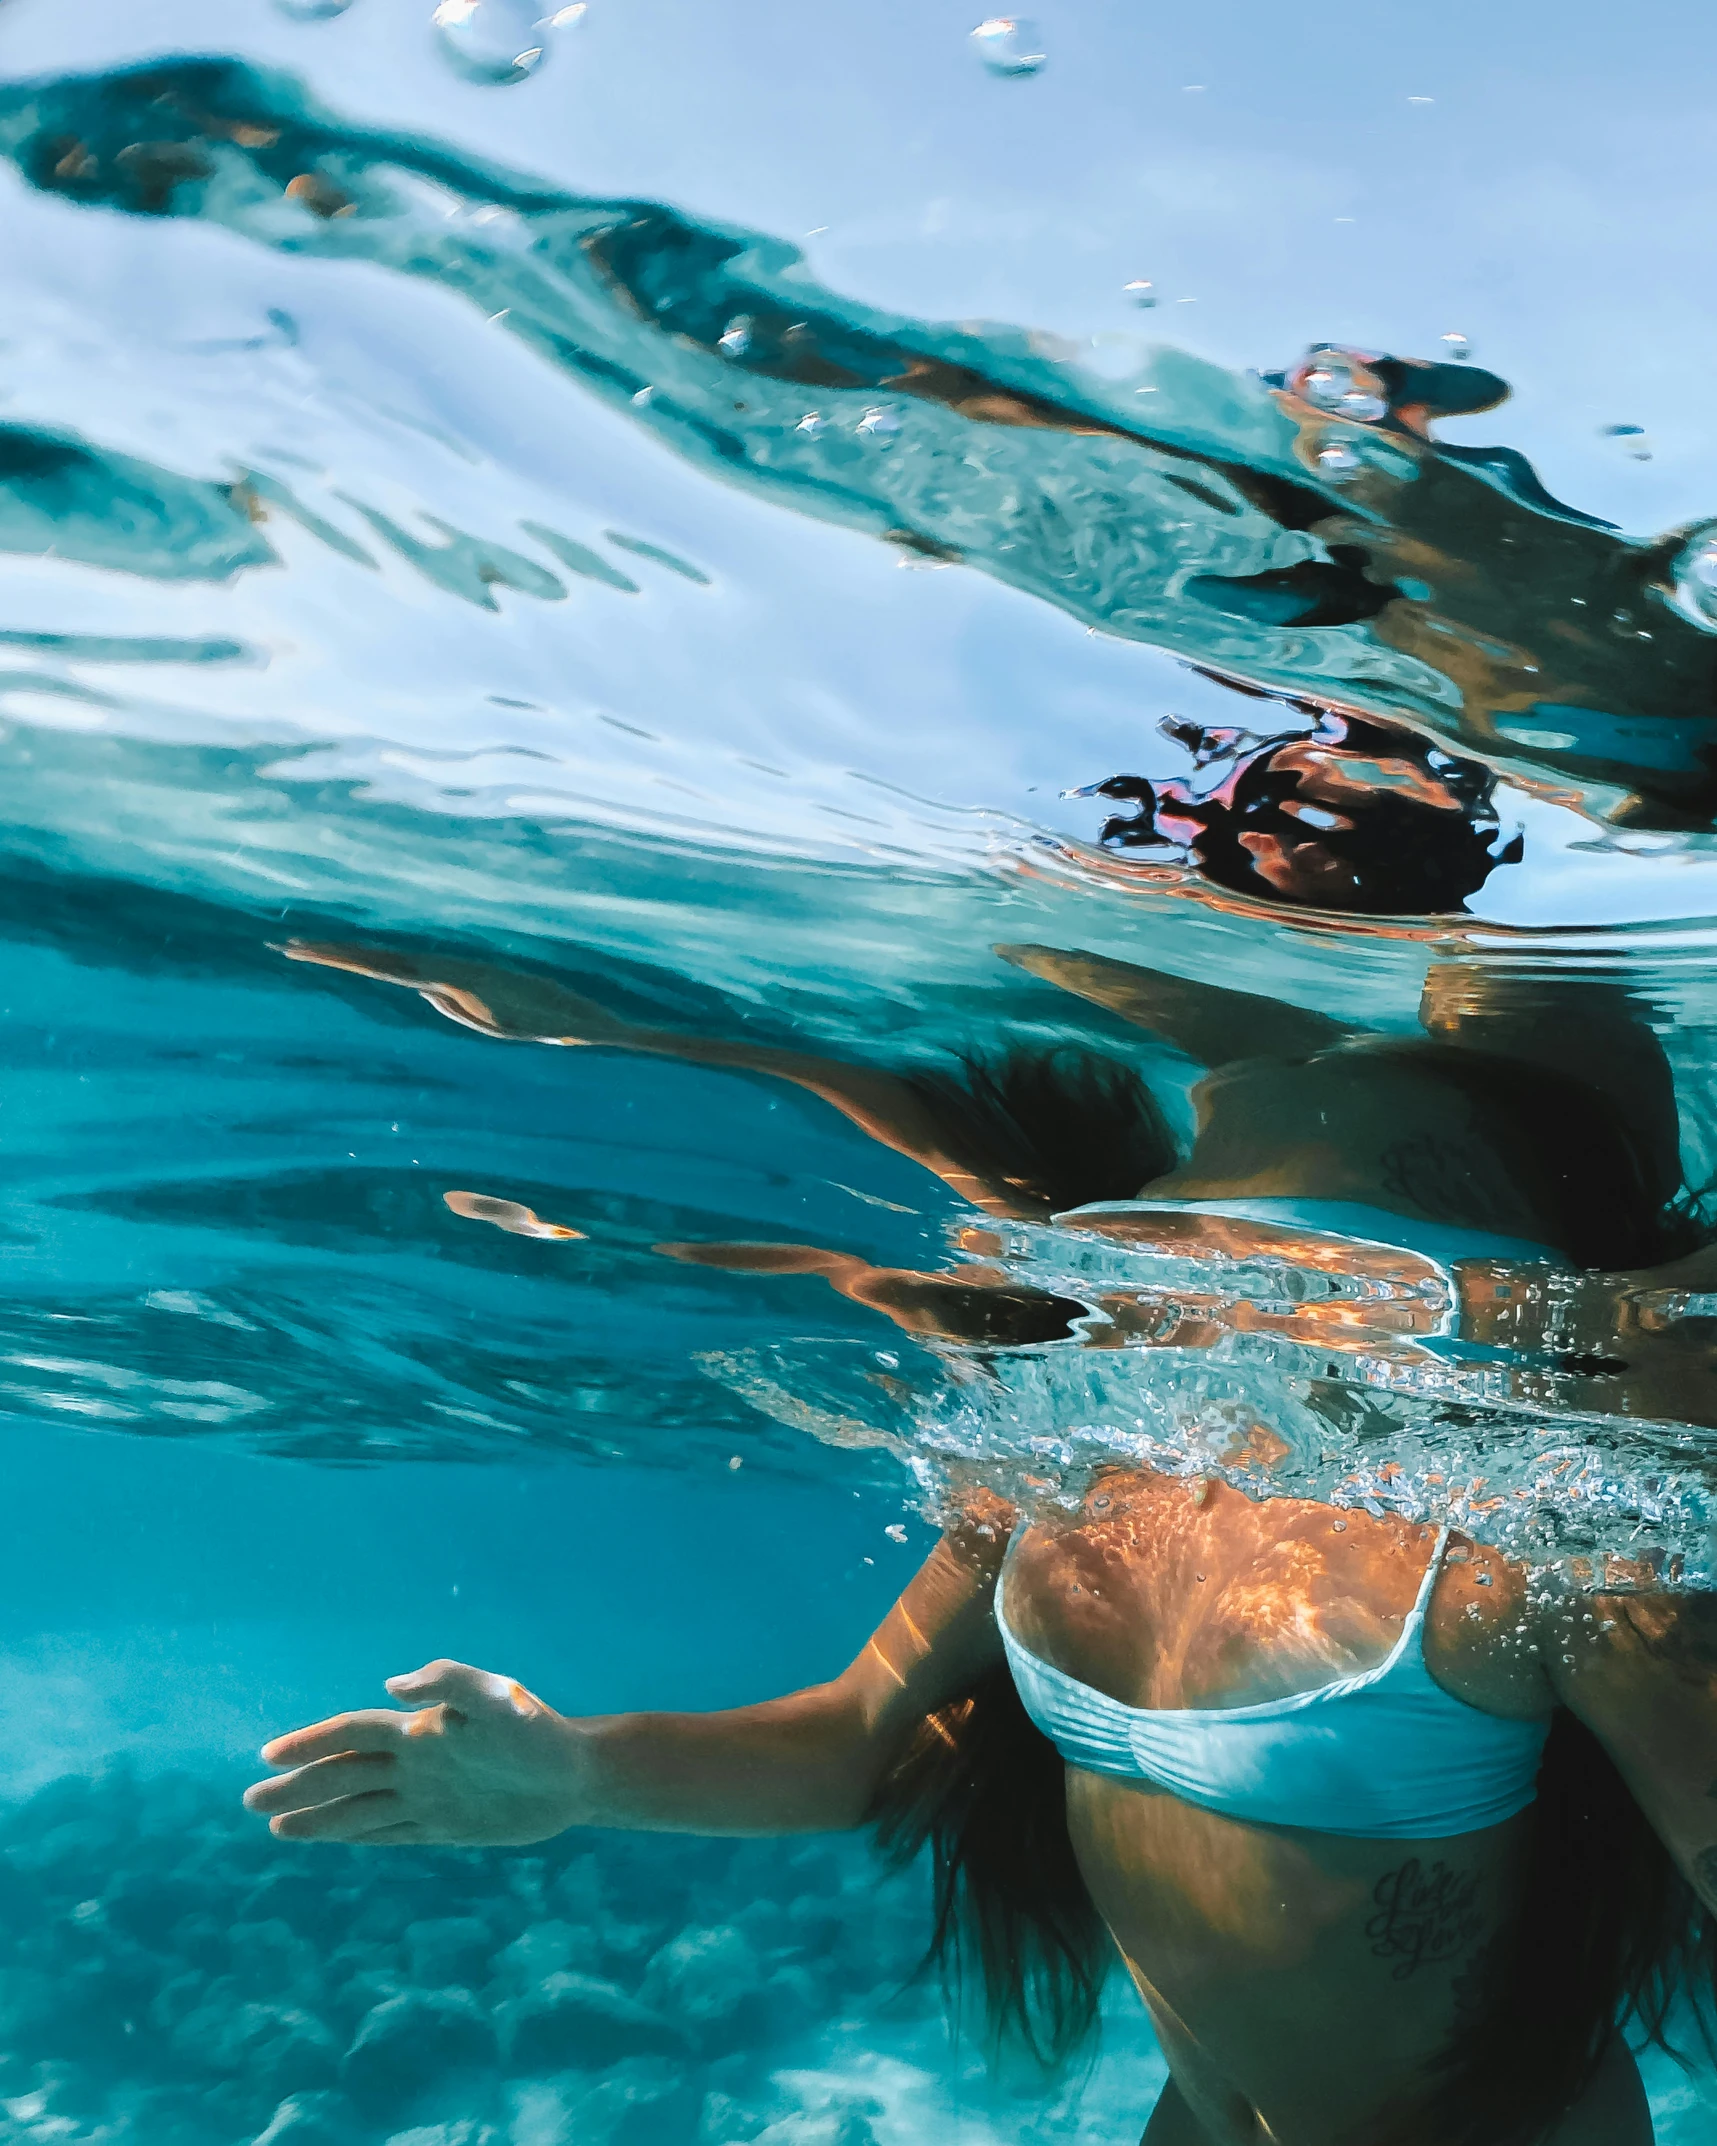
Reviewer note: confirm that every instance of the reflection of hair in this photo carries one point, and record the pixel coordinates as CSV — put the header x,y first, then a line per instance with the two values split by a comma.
x,y
1402,857
1061,1126
986,1792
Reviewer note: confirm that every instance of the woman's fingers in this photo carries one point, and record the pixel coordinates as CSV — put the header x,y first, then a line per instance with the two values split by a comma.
x,y
351,1818
385,966
510,1004
322,1781
466,1008
448,1683
374,1729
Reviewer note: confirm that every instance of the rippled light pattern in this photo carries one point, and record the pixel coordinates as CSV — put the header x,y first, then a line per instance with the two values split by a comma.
x,y
722,840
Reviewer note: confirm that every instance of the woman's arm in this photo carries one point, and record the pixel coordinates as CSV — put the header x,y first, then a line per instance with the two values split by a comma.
x,y
1210,1023
971,1303
483,1763
518,1007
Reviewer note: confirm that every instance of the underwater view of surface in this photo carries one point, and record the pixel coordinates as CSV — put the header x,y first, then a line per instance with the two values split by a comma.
x,y
797,799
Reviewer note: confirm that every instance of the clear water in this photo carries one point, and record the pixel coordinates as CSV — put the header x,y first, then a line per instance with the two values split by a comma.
x,y
674,503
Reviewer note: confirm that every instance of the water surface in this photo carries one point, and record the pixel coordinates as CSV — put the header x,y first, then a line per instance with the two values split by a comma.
x,y
707,528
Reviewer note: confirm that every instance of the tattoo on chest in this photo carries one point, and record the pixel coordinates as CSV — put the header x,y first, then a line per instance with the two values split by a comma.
x,y
1424,1916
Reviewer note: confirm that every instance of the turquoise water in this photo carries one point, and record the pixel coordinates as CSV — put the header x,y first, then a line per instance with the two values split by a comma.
x,y
679,527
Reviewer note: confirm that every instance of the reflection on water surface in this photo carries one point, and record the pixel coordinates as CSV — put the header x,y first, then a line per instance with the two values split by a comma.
x,y
1167,1042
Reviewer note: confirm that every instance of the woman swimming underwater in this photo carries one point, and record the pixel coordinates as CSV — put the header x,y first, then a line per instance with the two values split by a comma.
x,y
1392,1841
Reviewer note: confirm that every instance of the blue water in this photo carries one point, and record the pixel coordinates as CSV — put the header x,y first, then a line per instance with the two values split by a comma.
x,y
568,525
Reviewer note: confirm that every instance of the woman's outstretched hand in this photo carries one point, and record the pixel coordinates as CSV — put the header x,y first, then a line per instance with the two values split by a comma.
x,y
479,1763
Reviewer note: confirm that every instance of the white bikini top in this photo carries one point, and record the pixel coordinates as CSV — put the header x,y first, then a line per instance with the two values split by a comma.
x,y
1384,1755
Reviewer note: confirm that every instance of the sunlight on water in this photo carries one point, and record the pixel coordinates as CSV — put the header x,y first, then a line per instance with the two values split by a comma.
x,y
825,771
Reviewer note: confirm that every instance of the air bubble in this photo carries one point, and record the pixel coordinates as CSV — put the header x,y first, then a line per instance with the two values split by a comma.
x,y
311,10
1338,1527
1339,459
1482,1579
895,1531
1140,291
735,339
498,41
1331,385
1009,45
811,424
879,421
1457,345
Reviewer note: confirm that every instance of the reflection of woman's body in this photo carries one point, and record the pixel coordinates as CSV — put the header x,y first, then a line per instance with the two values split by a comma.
x,y
1358,1921
1528,1113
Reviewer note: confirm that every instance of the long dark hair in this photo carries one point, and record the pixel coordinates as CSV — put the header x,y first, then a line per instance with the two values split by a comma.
x,y
985,1792
1608,1933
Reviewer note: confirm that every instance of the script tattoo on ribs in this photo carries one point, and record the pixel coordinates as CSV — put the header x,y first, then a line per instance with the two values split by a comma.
x,y
1424,1916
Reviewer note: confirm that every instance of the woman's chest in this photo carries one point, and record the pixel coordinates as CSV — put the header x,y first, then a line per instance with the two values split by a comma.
x,y
1168,1594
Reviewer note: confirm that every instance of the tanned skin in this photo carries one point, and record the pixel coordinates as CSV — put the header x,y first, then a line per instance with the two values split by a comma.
x,y
1299,1981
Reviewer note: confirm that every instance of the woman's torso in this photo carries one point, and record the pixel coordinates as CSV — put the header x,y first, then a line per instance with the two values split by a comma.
x,y
1396,1126
1297,1976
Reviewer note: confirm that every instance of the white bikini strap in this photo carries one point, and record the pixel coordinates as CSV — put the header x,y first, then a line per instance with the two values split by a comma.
x,y
1423,1601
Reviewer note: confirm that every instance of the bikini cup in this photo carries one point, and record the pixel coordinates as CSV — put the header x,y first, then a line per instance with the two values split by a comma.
x,y
1384,1754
